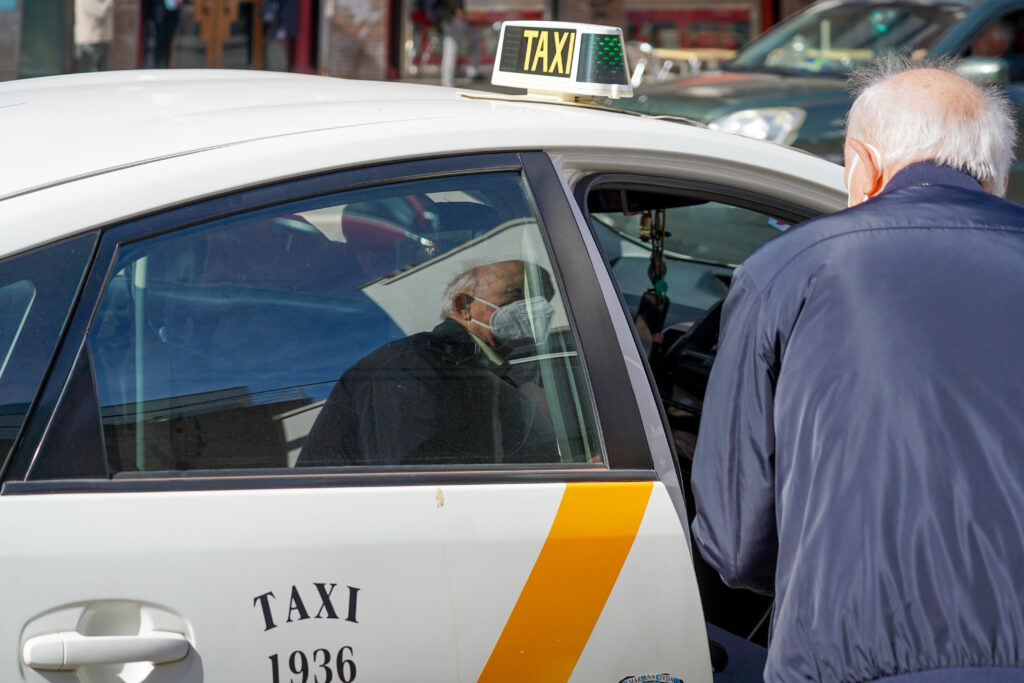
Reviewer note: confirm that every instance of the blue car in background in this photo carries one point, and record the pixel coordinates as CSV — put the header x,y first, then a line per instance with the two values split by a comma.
x,y
790,84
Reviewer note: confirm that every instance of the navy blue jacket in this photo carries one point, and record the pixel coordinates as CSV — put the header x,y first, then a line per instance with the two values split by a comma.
x,y
861,452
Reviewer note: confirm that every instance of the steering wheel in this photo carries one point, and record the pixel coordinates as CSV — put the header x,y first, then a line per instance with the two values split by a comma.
x,y
682,374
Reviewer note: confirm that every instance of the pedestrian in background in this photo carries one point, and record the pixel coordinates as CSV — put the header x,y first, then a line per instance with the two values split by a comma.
x,y
164,16
456,32
861,451
281,23
94,29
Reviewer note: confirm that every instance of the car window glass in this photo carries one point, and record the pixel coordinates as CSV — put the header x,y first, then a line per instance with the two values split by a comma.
x,y
677,321
36,293
1001,39
837,39
15,303
705,240
418,323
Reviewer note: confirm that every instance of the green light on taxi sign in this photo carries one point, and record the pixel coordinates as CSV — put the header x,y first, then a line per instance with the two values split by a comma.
x,y
603,59
563,59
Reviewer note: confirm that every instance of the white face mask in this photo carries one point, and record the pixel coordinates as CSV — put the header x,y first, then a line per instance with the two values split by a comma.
x,y
516,321
853,167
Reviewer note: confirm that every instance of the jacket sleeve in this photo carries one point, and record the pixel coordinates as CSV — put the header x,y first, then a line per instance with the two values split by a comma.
x,y
734,462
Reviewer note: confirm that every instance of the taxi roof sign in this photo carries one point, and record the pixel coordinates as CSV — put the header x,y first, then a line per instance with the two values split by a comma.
x,y
567,60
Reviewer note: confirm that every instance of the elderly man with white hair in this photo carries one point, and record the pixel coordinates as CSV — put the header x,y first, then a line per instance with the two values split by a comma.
x,y
861,454
447,395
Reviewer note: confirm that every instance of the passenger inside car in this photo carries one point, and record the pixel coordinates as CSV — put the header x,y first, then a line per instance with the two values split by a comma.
x,y
448,384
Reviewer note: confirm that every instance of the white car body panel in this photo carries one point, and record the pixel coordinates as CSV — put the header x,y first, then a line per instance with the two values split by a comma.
x,y
481,542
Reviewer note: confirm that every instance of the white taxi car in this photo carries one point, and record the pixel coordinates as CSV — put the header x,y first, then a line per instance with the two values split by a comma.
x,y
254,421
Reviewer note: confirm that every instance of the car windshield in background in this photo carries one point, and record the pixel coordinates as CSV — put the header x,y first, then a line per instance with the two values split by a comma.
x,y
836,40
704,242
710,232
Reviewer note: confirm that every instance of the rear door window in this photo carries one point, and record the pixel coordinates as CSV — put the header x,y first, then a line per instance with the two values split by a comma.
x,y
416,323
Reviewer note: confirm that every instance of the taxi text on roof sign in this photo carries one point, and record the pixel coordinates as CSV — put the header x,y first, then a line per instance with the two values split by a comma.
x,y
565,59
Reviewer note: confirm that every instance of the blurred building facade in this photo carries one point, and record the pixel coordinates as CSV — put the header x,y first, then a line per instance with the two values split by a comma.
x,y
373,39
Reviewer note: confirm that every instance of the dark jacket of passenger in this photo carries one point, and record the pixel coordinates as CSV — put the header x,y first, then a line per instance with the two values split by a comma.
x,y
431,398
861,452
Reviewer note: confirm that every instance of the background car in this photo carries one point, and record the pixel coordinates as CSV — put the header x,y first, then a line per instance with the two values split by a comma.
x,y
790,84
189,261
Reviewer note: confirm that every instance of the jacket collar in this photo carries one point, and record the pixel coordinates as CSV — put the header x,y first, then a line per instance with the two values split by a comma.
x,y
463,347
931,173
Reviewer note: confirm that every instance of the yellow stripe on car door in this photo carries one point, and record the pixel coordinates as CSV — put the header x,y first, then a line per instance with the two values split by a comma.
x,y
578,565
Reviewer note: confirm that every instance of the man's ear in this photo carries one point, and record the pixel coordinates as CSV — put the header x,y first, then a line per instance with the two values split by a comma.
x,y
870,166
460,304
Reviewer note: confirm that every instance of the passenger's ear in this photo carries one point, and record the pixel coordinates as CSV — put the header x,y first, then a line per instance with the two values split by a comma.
x,y
870,167
460,304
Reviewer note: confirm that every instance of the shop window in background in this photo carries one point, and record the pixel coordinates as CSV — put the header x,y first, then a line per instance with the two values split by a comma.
x,y
219,34
698,27
423,40
667,44
232,34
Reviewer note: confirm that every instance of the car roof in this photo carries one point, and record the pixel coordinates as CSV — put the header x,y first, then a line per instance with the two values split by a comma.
x,y
92,149
69,126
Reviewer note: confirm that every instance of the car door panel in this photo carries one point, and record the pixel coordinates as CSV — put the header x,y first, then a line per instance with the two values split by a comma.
x,y
325,574
429,582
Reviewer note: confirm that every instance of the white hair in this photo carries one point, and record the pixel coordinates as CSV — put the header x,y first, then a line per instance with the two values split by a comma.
x,y
468,282
975,134
471,279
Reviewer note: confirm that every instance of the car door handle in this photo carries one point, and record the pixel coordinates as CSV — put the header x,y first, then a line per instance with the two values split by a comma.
x,y
67,650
